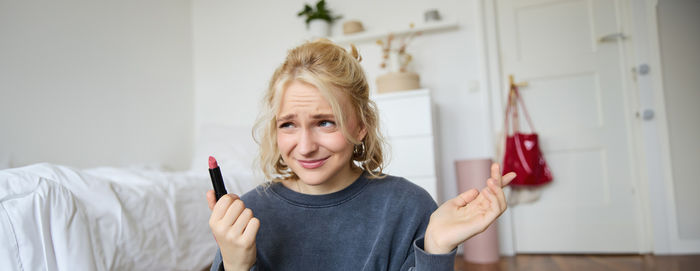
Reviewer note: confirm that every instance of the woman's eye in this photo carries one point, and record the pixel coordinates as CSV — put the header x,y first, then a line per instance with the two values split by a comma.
x,y
286,125
326,123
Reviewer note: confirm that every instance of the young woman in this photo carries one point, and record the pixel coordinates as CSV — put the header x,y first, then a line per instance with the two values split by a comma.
x,y
329,206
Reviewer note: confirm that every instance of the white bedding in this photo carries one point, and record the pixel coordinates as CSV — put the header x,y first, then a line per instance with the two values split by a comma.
x,y
58,218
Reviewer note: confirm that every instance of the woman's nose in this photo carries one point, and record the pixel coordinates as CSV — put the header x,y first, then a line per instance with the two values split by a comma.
x,y
307,143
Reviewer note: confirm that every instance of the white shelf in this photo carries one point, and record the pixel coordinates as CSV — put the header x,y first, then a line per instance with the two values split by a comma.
x,y
400,94
375,35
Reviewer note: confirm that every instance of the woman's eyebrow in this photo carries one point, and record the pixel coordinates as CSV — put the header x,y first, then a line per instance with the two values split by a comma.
x,y
292,116
286,118
323,116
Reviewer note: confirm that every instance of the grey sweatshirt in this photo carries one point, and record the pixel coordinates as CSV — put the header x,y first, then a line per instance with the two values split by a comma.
x,y
373,224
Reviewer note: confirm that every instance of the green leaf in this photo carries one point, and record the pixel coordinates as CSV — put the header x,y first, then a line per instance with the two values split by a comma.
x,y
320,13
306,11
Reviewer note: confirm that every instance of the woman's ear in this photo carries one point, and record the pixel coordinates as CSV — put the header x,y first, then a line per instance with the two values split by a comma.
x,y
362,133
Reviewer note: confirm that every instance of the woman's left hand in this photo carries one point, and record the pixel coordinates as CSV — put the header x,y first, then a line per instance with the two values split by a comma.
x,y
467,214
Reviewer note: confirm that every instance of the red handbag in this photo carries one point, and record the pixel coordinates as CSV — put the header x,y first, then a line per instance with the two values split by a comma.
x,y
522,151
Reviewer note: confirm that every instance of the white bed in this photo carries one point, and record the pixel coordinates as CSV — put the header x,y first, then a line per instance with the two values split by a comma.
x,y
54,217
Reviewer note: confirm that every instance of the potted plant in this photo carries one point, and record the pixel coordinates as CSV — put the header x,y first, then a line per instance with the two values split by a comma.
x,y
396,59
318,19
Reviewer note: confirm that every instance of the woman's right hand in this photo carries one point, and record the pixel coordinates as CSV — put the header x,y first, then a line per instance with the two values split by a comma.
x,y
234,229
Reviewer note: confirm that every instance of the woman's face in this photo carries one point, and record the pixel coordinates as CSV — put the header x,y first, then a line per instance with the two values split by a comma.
x,y
310,140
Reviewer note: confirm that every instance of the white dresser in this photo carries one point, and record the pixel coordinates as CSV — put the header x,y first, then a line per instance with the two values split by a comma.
x,y
406,119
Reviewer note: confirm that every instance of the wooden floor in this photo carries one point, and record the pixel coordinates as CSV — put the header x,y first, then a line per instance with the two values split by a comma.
x,y
585,262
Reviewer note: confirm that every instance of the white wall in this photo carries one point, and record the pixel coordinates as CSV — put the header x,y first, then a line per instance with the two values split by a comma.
x,y
238,44
665,36
86,83
679,37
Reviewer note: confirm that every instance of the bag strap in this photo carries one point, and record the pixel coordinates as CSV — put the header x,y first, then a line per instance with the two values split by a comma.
x,y
514,99
511,107
522,103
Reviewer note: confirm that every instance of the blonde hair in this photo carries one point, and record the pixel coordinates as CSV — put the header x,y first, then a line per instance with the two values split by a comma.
x,y
333,71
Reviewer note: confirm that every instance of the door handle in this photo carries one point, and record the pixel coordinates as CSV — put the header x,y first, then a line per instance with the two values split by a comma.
x,y
646,114
612,37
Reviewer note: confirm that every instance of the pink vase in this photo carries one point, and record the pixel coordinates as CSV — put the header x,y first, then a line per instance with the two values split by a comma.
x,y
482,248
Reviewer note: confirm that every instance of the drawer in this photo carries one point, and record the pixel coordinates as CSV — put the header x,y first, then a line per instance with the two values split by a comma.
x,y
405,116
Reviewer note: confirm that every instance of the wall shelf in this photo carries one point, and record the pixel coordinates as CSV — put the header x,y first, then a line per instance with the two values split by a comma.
x,y
375,35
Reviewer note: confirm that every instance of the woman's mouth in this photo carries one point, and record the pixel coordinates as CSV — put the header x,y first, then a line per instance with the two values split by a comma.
x,y
311,164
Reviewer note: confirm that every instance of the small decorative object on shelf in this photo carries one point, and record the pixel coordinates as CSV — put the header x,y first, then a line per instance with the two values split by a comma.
x,y
396,60
351,27
318,19
432,15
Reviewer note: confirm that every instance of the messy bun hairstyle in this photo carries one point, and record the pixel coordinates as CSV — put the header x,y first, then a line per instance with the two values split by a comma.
x,y
333,71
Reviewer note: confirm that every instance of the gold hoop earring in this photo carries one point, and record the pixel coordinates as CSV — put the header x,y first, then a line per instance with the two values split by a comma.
x,y
281,163
358,151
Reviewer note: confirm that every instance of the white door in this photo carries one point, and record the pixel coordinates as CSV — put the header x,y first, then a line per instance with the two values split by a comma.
x,y
577,100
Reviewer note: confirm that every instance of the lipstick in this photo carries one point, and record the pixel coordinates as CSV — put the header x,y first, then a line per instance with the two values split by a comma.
x,y
216,179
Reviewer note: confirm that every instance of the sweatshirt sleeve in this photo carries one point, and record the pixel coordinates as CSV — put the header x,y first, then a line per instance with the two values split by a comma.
x,y
218,264
436,262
